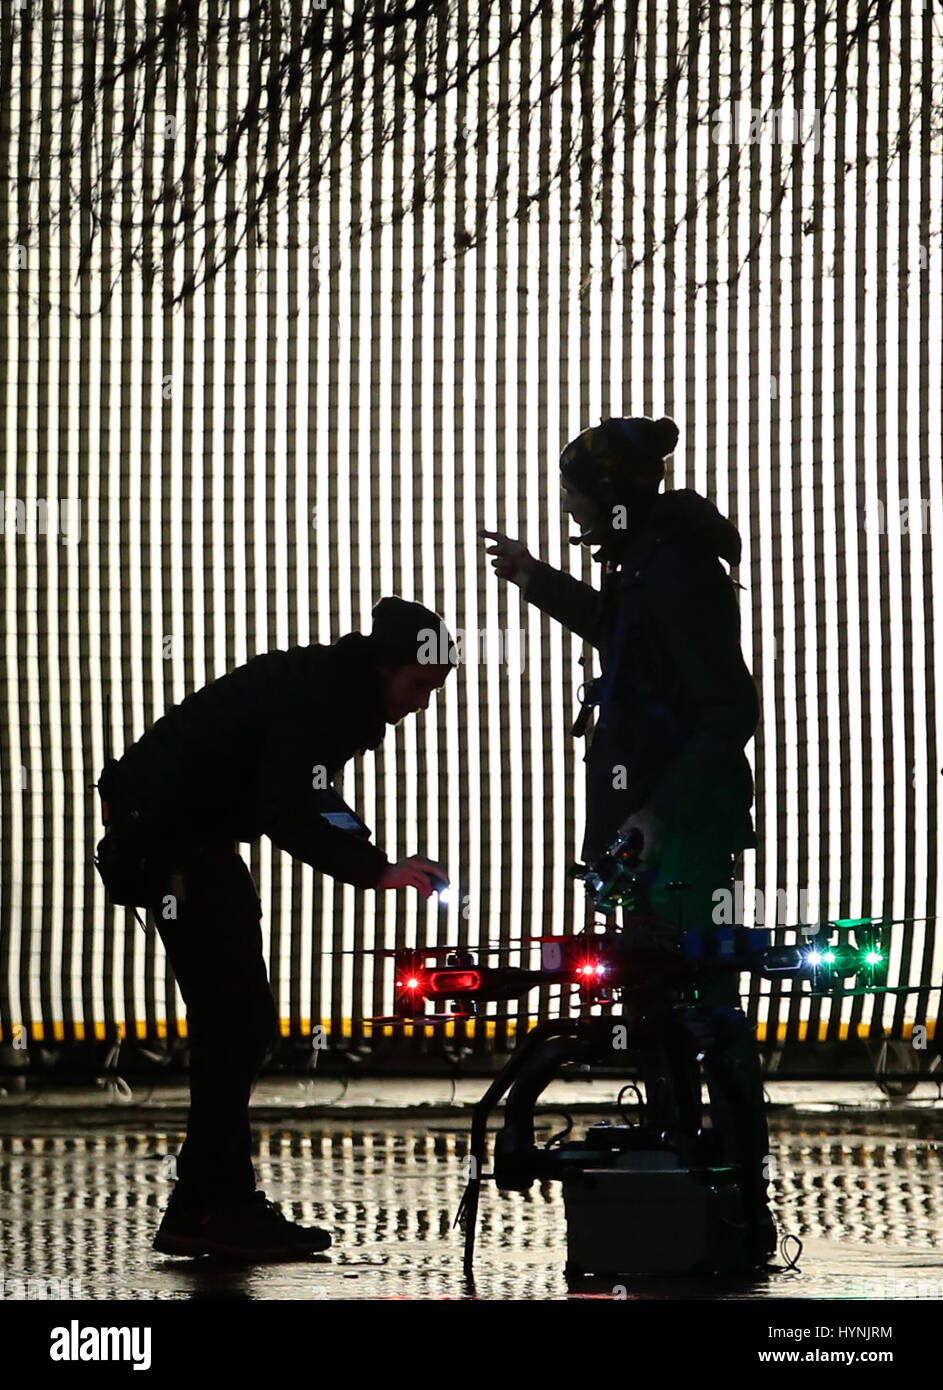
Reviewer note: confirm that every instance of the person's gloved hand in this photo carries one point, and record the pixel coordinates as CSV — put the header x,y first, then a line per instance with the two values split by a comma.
x,y
653,833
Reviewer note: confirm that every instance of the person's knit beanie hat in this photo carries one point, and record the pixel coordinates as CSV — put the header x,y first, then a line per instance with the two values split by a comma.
x,y
406,634
619,457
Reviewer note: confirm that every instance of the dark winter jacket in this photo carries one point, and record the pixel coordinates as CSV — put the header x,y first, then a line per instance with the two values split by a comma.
x,y
683,704
246,755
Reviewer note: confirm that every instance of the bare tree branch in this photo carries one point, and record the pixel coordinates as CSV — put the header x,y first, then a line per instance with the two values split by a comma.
x,y
292,119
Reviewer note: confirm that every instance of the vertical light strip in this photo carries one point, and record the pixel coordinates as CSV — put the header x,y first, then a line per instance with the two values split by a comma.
x,y
929,394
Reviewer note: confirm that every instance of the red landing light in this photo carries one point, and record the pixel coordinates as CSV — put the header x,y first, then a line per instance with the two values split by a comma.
x,y
454,981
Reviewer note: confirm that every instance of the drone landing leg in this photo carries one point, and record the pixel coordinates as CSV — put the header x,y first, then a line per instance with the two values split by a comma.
x,y
468,1206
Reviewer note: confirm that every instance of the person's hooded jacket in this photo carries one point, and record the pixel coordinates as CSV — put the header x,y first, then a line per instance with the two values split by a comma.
x,y
681,705
248,754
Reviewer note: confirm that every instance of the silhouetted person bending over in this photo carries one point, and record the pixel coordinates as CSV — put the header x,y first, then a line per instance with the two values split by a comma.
x,y
254,753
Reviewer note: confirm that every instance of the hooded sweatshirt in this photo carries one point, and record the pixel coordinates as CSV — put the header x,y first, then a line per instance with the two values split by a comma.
x,y
678,705
247,754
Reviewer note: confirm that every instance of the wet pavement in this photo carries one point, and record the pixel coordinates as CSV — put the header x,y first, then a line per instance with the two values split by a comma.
x,y
83,1183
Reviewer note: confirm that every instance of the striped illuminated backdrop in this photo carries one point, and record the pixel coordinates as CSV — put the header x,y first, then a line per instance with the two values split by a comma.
x,y
423,289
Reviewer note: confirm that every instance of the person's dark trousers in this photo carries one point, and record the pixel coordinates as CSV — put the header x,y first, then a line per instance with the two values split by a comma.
x,y
207,911
717,1026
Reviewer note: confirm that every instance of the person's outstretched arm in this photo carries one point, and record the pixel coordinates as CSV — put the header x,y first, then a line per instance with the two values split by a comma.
x,y
570,601
292,819
293,822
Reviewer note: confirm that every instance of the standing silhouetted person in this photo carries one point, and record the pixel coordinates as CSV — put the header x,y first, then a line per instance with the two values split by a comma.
x,y
675,707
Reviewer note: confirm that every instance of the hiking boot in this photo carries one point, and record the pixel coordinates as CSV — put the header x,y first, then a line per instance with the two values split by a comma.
x,y
311,1238
251,1229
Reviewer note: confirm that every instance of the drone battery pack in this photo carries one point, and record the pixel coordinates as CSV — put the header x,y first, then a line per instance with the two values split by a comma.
x,y
648,1217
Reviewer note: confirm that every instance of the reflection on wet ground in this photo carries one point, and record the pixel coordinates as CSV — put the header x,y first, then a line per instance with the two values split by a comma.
x,y
83,1207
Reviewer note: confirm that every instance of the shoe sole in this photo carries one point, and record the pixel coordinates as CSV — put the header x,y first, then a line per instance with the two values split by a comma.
x,y
194,1247
168,1244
